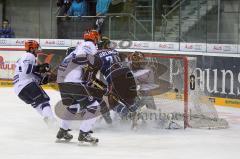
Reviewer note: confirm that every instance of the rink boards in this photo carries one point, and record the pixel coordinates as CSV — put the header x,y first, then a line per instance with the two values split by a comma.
x,y
226,94
228,102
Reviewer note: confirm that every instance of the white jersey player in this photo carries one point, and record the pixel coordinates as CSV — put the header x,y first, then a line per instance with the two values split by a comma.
x,y
28,78
70,81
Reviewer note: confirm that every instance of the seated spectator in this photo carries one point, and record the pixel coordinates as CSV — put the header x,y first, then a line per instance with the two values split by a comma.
x,y
64,6
6,31
78,8
102,7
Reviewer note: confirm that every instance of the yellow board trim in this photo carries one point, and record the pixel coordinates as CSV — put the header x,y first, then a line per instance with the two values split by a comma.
x,y
5,83
9,83
227,102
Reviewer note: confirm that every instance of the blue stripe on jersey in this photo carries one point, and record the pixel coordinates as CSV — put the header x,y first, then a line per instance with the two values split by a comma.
x,y
80,60
29,69
14,82
15,79
45,105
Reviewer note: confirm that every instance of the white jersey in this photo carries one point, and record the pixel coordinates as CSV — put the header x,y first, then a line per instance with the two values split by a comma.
x,y
70,70
23,72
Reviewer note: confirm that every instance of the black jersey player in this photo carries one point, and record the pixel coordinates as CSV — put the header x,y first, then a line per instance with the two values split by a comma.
x,y
120,80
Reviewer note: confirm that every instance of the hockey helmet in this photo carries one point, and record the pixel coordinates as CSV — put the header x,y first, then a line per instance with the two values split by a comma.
x,y
31,44
91,35
104,43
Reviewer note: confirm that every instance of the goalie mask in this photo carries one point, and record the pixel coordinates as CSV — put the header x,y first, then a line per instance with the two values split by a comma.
x,y
136,59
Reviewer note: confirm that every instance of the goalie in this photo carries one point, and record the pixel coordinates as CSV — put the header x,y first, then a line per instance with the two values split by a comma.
x,y
145,79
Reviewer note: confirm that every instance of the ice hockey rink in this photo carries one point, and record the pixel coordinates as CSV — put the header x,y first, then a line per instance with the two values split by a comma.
x,y
24,135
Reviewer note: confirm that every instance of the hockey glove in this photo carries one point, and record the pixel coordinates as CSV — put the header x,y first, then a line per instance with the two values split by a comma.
x,y
44,80
99,21
42,68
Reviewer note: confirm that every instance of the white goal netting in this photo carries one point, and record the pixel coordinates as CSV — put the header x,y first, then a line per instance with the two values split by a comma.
x,y
179,100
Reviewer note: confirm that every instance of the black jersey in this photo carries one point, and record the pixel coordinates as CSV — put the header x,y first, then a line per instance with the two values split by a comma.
x,y
108,58
106,61
118,76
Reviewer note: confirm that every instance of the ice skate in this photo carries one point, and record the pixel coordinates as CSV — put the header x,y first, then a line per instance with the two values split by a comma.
x,y
107,118
134,120
63,134
86,137
137,120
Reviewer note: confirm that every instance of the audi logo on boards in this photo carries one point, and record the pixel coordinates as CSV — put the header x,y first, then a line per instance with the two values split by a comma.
x,y
3,42
60,43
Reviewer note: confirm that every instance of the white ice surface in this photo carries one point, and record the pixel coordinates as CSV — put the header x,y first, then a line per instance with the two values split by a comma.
x,y
23,135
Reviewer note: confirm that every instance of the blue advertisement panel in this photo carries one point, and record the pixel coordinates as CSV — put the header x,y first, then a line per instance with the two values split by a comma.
x,y
219,76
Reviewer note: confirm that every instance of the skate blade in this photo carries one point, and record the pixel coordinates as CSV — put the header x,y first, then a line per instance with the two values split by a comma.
x,y
62,141
134,127
84,143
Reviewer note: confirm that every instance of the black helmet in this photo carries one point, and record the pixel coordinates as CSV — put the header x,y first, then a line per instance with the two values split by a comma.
x,y
69,50
104,43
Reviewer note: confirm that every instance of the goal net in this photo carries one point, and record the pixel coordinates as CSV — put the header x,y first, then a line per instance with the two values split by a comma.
x,y
170,82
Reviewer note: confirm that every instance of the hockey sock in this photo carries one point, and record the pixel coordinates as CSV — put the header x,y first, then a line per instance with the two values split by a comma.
x,y
65,124
46,110
87,125
39,110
